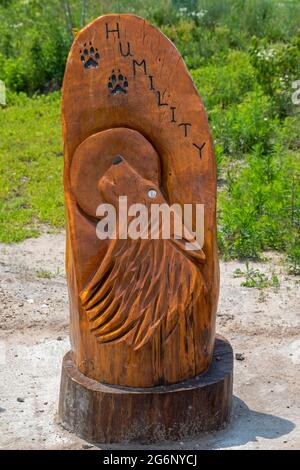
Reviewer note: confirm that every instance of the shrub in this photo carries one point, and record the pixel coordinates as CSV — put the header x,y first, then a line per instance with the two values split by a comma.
x,y
277,66
223,84
259,210
245,125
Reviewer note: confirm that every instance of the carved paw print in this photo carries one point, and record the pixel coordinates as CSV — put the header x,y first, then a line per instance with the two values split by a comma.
x,y
117,83
89,56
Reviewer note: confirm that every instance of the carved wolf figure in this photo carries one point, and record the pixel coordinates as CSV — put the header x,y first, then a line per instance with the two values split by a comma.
x,y
142,311
142,286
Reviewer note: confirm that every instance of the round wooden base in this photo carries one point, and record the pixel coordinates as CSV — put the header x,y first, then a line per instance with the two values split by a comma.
x,y
103,413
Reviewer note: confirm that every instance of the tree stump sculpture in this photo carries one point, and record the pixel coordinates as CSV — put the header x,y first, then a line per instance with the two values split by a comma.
x,y
145,363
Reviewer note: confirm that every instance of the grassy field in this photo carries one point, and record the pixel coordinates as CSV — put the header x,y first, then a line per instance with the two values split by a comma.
x,y
31,163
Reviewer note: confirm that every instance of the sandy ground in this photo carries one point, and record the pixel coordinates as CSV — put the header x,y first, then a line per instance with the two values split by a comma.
x,y
263,325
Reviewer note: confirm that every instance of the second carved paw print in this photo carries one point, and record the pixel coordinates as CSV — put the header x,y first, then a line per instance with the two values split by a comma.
x,y
117,83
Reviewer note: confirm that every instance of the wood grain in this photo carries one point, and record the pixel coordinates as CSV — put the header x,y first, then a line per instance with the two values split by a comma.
x,y
103,413
127,92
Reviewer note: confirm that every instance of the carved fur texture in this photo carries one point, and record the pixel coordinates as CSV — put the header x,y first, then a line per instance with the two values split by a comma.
x,y
141,284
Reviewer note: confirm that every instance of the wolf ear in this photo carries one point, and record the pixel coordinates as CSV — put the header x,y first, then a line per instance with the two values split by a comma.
x,y
95,155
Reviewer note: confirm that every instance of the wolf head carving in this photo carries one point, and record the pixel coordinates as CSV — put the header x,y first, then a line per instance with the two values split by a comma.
x,y
144,283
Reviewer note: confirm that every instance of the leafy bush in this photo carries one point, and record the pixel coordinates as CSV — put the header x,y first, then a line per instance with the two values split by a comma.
x,y
245,125
33,46
260,209
224,84
277,66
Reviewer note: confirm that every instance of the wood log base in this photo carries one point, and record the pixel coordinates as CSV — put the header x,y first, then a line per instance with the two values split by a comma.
x,y
102,413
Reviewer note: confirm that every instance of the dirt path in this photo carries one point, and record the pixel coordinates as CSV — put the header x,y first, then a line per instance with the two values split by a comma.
x,y
262,325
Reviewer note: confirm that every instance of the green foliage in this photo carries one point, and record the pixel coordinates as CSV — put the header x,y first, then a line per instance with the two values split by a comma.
x,y
35,36
246,125
294,257
260,208
277,66
243,55
272,19
43,274
256,278
30,166
33,45
197,44
225,82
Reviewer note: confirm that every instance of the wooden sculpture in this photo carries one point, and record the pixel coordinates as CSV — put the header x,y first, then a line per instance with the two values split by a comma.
x,y
145,363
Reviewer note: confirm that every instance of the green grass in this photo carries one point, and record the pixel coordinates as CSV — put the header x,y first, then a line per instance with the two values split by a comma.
x,y
44,274
30,167
256,278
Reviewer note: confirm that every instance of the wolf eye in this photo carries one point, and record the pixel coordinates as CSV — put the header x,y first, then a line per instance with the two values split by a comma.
x,y
152,193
